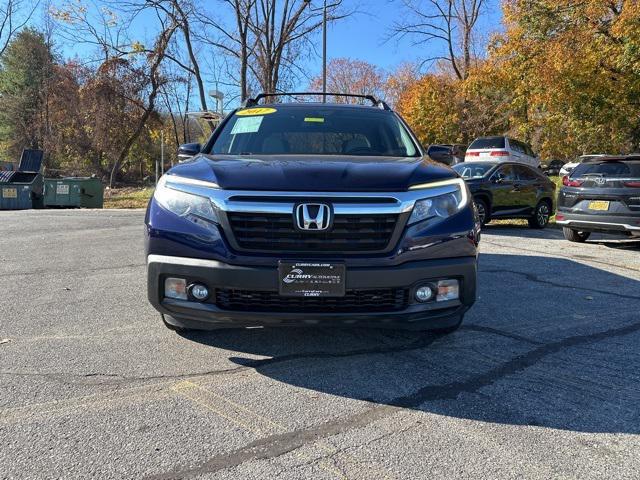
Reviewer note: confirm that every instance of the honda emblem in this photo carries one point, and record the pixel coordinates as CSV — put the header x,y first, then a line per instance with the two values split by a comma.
x,y
313,216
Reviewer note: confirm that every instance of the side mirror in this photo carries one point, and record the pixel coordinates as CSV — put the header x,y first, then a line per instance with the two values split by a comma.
x,y
188,150
441,156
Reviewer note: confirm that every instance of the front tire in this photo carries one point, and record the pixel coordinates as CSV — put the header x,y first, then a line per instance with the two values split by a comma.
x,y
575,235
541,215
484,214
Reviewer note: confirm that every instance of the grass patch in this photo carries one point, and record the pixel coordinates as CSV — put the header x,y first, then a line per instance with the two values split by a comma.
x,y
127,197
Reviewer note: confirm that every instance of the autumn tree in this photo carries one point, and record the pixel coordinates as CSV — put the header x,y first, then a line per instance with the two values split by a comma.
x,y
574,75
346,75
144,63
399,81
430,106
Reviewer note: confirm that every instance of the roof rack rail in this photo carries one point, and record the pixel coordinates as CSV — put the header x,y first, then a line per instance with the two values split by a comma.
x,y
251,102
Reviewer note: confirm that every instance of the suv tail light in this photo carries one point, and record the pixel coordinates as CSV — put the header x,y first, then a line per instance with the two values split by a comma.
x,y
567,182
500,153
632,184
473,154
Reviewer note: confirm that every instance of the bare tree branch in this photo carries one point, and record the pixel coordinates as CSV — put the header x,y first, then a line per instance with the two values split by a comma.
x,y
12,19
451,23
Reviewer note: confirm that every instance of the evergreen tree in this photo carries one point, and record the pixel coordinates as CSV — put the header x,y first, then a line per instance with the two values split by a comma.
x,y
26,69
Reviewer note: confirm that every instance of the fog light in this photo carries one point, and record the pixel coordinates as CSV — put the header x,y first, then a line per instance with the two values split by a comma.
x,y
175,288
448,290
199,292
424,294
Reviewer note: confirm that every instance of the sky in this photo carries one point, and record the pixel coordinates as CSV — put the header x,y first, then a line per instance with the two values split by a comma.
x,y
363,36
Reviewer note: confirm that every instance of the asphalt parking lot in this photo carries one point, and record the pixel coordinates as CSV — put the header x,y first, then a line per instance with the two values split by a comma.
x,y
542,381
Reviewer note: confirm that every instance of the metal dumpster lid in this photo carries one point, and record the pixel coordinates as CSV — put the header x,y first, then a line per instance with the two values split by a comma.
x,y
31,160
6,176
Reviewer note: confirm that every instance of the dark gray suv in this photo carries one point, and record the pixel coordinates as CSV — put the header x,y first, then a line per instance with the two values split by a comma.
x,y
601,195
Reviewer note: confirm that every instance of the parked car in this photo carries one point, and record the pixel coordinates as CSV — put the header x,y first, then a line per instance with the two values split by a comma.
x,y
503,149
552,168
509,190
449,154
568,167
601,195
311,214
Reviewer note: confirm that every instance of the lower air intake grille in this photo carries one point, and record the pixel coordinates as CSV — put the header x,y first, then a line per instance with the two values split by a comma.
x,y
364,301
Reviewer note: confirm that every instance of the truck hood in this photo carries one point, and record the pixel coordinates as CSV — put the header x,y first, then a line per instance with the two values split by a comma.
x,y
311,174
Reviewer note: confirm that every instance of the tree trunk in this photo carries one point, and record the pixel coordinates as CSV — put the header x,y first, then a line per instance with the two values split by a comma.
x,y
156,83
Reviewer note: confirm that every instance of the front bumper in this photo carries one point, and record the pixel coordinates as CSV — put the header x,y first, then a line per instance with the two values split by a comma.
x,y
215,274
599,222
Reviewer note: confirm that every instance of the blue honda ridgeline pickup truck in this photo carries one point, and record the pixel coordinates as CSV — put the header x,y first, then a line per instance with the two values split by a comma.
x,y
311,214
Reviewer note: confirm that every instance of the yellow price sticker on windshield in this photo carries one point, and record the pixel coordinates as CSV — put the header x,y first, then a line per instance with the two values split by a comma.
x,y
314,119
256,111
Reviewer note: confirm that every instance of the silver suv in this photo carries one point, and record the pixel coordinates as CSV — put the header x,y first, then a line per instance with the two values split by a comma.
x,y
501,149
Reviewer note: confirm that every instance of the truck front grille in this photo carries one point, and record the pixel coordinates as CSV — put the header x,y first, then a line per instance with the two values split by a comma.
x,y
274,232
355,301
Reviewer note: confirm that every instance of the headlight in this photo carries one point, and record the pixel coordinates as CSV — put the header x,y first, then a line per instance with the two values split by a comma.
x,y
440,206
192,207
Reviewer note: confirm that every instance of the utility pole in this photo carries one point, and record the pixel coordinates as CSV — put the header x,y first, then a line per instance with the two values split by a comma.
x,y
324,52
324,44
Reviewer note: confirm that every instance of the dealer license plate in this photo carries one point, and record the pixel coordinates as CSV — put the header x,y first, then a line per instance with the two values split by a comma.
x,y
310,279
599,205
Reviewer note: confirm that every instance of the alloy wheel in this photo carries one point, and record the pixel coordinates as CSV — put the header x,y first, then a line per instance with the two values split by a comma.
x,y
543,214
482,213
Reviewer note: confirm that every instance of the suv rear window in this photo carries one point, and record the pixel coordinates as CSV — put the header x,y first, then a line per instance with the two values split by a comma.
x,y
629,168
314,130
487,142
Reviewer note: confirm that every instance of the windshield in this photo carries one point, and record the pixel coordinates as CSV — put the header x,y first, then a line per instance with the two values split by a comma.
x,y
314,130
487,142
473,170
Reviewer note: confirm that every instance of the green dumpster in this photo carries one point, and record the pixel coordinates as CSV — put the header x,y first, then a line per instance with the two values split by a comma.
x,y
74,192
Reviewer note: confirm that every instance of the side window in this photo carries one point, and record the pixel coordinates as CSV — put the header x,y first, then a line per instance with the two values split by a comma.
x,y
507,173
525,174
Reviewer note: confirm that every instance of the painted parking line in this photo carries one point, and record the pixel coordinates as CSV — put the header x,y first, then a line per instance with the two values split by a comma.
x,y
324,455
117,397
88,403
